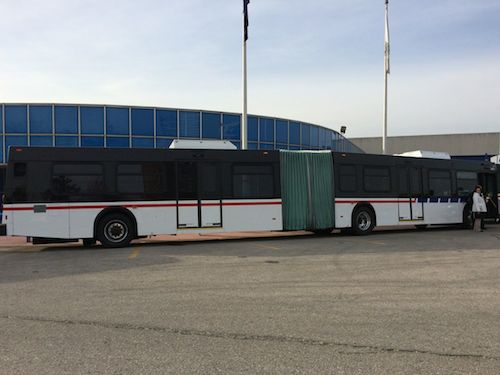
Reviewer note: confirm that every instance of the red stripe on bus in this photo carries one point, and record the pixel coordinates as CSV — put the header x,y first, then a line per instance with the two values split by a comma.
x,y
372,202
144,206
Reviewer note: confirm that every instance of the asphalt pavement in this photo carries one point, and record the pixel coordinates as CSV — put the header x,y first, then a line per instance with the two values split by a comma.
x,y
394,302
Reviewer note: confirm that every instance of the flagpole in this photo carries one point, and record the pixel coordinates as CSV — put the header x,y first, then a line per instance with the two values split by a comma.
x,y
244,132
386,72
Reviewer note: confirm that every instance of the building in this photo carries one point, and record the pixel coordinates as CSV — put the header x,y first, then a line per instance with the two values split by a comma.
x,y
470,146
79,125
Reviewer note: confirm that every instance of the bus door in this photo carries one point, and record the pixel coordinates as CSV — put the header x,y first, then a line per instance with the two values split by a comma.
x,y
410,190
416,193
199,202
490,190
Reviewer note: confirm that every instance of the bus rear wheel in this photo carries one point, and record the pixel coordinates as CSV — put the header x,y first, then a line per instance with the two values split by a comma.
x,y
363,220
115,230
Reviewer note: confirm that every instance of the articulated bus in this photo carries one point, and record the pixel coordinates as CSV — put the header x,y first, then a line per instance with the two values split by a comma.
x,y
116,195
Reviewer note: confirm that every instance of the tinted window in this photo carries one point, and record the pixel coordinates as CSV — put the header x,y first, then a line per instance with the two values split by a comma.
x,y
142,181
187,178
75,182
295,133
189,125
40,119
253,181
211,125
253,128
306,135
347,178
210,181
142,121
92,120
92,141
166,123
117,121
439,183
314,136
15,119
466,181
281,131
376,179
66,119
231,126
266,130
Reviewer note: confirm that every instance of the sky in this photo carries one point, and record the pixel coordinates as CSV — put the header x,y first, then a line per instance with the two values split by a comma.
x,y
318,61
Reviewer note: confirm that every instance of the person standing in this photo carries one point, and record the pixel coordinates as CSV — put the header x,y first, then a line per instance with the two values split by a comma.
x,y
478,208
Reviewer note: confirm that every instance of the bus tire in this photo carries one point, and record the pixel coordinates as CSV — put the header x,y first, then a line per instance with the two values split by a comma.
x,y
363,220
115,230
467,217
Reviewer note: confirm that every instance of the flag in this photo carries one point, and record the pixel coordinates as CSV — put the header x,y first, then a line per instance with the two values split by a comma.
x,y
387,46
245,16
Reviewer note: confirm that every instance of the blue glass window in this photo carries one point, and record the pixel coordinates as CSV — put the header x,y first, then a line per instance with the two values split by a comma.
x,y
66,119
15,119
92,141
281,147
166,123
120,142
15,140
1,148
281,131
232,127
40,119
117,121
266,130
314,136
211,125
253,128
253,146
237,144
189,124
142,121
143,142
306,139
163,142
1,119
266,146
37,140
322,137
92,120
295,133
292,147
68,141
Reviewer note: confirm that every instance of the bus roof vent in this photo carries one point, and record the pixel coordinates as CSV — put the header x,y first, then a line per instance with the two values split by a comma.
x,y
202,144
425,154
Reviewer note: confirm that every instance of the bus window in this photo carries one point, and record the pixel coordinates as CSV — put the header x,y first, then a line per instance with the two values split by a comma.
x,y
210,181
376,179
466,181
347,178
77,181
416,182
253,181
439,182
141,180
187,180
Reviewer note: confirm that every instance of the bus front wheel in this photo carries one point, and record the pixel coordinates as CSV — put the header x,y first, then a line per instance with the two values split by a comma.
x,y
115,230
363,220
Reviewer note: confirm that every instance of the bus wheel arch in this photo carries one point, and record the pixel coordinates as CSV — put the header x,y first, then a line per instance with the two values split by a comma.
x,y
363,218
115,227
